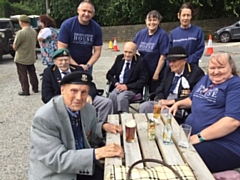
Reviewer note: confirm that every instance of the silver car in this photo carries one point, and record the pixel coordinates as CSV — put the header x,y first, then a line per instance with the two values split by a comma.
x,y
228,33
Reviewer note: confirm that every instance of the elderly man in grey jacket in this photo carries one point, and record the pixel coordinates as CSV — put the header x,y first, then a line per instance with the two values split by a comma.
x,y
64,133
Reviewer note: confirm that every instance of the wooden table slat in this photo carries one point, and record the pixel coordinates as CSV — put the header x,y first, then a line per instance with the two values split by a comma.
x,y
112,138
190,155
149,147
131,150
144,148
169,152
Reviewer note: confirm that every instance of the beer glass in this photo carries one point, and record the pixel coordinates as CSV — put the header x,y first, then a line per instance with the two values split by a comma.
x,y
156,109
184,135
130,128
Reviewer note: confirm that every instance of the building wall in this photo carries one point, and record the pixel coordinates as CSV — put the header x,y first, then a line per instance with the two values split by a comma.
x,y
126,33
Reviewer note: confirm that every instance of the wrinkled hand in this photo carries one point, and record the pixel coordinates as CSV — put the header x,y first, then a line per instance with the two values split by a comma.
x,y
167,102
121,87
194,139
110,150
112,128
173,109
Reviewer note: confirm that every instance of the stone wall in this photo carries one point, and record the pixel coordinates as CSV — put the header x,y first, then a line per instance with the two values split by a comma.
x,y
126,33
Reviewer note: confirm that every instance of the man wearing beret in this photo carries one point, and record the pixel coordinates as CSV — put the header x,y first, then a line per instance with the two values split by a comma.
x,y
179,79
24,45
53,75
64,132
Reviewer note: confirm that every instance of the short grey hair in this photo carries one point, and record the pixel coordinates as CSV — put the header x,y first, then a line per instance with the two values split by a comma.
x,y
89,2
218,54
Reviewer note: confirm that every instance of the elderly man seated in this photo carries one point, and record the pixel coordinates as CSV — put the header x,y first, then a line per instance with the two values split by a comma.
x,y
179,79
53,75
128,75
64,132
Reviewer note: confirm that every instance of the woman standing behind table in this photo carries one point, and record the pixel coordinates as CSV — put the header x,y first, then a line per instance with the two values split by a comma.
x,y
47,38
215,117
187,35
153,45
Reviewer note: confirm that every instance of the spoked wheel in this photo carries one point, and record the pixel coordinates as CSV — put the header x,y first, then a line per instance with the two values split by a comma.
x,y
225,37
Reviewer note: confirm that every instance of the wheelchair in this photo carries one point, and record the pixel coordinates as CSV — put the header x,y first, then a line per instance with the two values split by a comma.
x,y
137,99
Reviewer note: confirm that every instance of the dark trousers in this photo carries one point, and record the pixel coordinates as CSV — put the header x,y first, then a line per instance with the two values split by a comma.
x,y
153,85
23,70
98,175
216,157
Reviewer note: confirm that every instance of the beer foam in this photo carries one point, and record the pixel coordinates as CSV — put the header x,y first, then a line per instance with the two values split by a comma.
x,y
131,123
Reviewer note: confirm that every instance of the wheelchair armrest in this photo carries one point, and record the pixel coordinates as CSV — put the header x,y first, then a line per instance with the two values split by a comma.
x,y
108,88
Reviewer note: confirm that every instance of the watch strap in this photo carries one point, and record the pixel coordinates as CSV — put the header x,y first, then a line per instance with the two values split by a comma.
x,y
200,137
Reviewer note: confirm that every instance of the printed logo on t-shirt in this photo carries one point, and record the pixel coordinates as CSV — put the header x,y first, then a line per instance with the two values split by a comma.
x,y
147,47
185,39
208,93
86,39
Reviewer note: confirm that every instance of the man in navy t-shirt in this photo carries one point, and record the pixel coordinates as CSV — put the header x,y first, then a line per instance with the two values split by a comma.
x,y
82,36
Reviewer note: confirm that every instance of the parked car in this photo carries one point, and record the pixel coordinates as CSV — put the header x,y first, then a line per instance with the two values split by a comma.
x,y
228,33
7,35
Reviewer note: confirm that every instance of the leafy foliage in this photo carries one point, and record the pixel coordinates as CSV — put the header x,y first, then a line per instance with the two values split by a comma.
x,y
119,12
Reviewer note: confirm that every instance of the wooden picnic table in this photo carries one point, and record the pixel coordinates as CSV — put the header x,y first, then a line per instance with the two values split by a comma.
x,y
143,148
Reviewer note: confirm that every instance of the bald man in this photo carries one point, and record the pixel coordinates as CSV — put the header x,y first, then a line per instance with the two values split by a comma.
x,y
127,76
82,36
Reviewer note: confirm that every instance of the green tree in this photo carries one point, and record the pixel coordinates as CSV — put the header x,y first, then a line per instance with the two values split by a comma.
x,y
119,12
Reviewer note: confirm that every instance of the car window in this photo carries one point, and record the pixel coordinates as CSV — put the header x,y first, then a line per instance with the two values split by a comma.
x,y
4,25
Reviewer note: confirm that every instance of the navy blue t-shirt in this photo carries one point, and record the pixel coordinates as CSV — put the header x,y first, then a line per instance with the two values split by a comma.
x,y
151,47
210,103
192,39
80,38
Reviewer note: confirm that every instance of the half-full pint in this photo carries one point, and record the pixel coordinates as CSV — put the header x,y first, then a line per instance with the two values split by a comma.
x,y
130,128
156,109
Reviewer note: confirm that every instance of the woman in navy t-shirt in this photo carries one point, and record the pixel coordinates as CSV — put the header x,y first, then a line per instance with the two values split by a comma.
x,y
215,117
153,44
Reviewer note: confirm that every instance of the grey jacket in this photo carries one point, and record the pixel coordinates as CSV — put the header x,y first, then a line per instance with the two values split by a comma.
x,y
53,155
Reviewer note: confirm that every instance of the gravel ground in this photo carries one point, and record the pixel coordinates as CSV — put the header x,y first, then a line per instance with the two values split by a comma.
x,y
17,112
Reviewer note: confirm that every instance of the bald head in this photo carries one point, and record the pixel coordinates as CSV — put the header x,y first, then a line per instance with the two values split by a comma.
x,y
129,51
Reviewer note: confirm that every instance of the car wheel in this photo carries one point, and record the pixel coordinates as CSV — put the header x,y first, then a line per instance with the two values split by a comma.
x,y
225,37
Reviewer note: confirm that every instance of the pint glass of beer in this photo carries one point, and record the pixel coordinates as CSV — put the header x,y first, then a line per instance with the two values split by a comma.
x,y
130,127
156,109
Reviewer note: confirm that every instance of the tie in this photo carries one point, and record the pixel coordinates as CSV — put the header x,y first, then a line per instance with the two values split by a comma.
x,y
174,84
77,130
126,73
65,73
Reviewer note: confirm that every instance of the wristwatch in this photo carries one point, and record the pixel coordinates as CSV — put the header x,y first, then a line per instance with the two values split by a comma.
x,y
88,66
200,137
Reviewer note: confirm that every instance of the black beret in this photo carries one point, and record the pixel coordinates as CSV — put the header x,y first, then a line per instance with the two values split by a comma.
x,y
77,77
176,53
60,53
